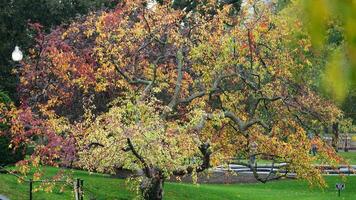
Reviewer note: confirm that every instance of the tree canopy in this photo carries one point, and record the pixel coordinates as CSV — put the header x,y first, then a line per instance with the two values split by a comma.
x,y
174,92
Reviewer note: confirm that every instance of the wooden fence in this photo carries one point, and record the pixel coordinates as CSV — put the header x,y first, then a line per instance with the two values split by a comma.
x,y
77,184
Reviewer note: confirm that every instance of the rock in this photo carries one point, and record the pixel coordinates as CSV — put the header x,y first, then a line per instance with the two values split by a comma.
x,y
3,197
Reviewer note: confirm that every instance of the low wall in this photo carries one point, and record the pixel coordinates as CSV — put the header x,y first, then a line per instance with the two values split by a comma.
x,y
344,142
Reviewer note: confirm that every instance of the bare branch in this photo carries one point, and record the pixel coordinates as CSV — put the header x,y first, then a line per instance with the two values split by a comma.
x,y
214,88
130,80
206,153
254,168
175,97
94,145
243,126
256,121
235,119
147,169
192,97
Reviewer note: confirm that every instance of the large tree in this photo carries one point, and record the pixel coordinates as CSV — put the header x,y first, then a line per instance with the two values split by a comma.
x,y
169,92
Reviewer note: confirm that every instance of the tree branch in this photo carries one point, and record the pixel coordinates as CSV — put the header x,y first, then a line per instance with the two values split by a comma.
x,y
130,80
254,168
243,126
256,121
192,97
95,144
235,119
147,169
214,88
206,153
173,103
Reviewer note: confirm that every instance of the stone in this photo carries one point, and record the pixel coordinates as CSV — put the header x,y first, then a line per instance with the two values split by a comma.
x,y
3,197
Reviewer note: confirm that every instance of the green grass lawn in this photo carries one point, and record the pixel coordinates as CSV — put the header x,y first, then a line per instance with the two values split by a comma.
x,y
349,156
106,188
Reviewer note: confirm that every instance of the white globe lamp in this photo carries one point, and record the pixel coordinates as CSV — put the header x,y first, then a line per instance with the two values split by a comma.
x,y
17,54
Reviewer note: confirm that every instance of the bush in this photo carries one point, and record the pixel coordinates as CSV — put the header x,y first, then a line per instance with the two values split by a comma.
x,y
8,155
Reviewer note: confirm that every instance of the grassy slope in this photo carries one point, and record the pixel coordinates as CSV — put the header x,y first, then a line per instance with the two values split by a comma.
x,y
291,190
95,185
107,188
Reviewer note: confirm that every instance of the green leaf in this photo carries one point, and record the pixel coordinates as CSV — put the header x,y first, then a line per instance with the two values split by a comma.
x,y
337,76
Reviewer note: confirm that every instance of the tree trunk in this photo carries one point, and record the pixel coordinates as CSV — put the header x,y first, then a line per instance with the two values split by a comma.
x,y
346,148
335,138
152,188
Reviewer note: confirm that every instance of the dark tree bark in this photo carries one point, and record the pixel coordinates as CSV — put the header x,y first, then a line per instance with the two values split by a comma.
x,y
335,138
153,182
152,188
346,148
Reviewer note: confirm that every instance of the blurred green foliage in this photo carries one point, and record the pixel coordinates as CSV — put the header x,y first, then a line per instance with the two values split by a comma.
x,y
340,73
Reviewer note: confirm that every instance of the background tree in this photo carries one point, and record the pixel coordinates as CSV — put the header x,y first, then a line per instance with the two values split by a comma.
x,y
349,106
170,93
340,72
14,29
330,24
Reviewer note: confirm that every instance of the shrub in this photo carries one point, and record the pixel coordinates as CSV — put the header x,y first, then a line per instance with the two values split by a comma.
x,y
7,154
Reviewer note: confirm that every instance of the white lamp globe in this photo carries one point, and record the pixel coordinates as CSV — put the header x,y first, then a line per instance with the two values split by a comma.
x,y
17,54
151,4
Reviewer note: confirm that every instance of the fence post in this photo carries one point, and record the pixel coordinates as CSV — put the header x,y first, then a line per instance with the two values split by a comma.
x,y
81,189
76,189
31,182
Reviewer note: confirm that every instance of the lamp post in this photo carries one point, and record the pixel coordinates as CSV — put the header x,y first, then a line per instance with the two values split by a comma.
x,y
151,4
17,54
17,57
